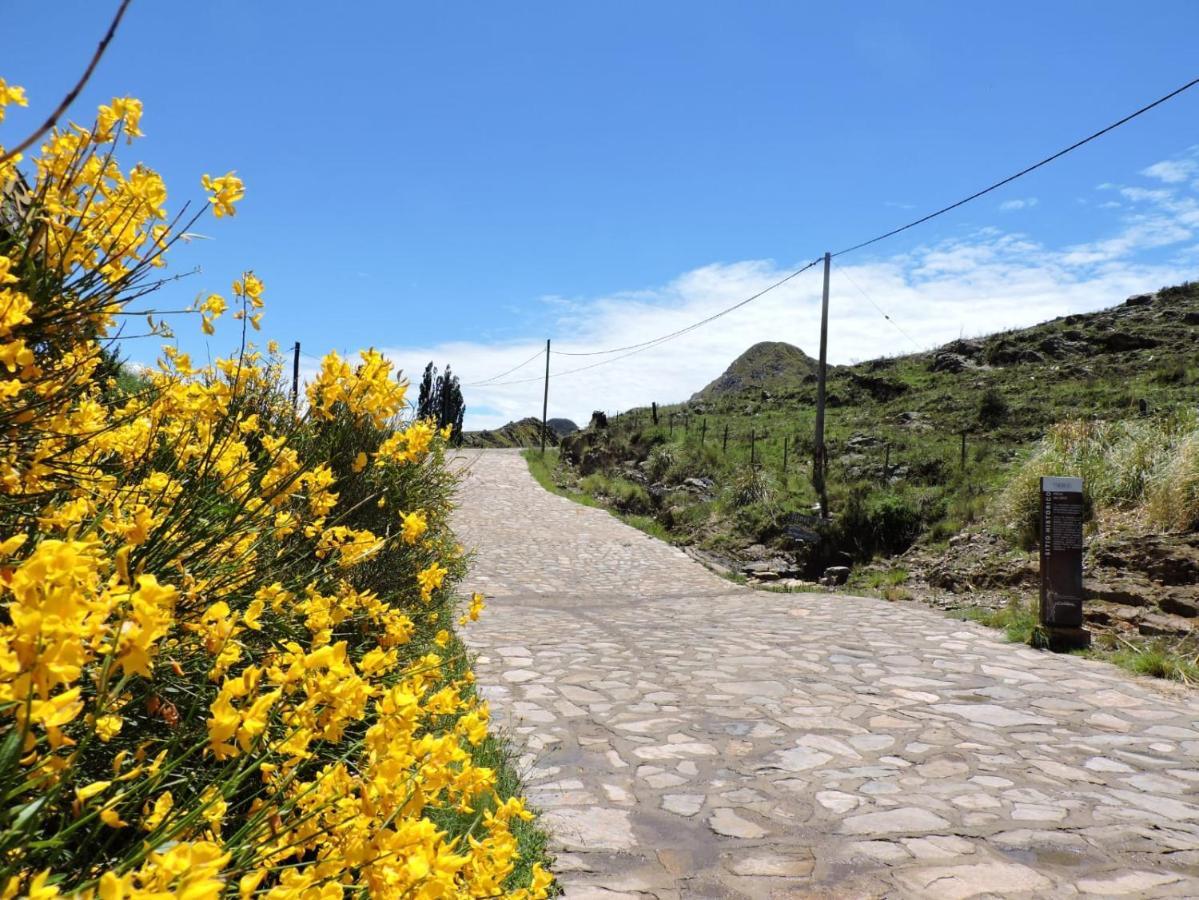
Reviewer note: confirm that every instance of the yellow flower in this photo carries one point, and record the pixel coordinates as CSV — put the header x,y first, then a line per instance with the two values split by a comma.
x,y
107,727
359,462
10,94
415,525
224,192
430,579
88,791
158,811
112,819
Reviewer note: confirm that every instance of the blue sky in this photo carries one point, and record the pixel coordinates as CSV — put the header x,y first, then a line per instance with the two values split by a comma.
x,y
464,180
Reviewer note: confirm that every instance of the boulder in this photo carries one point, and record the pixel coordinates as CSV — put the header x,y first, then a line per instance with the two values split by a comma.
x,y
1178,605
1140,300
1126,593
949,362
1123,341
964,347
1163,625
1003,354
835,575
1058,347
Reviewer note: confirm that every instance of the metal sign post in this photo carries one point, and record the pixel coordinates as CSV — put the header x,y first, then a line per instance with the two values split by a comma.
x,y
1061,562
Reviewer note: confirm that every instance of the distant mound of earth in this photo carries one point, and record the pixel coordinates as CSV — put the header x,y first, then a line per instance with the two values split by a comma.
x,y
775,367
523,433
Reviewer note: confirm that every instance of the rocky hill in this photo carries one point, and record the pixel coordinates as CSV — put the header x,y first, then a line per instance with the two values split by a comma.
x,y
770,367
523,433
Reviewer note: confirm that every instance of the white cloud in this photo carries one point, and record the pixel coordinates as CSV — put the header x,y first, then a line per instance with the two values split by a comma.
x,y
1172,171
984,282
1019,203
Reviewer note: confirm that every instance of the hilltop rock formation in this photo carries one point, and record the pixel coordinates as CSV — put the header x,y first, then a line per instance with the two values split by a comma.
x,y
773,367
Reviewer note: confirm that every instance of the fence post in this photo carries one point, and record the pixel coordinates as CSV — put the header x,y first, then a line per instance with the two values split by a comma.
x,y
654,411
963,451
672,423
887,463
784,454
753,447
703,432
724,444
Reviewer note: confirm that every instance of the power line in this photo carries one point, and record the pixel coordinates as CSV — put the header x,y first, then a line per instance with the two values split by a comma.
x,y
639,348
694,325
485,381
1022,172
881,311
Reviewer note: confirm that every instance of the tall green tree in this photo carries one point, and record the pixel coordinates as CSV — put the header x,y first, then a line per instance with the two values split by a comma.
x,y
440,399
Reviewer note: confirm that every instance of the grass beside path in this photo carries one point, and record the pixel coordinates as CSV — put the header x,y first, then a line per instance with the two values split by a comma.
x,y
1176,660
542,468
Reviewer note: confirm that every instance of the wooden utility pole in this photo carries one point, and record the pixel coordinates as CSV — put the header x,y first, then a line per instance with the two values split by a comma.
x,y
703,433
724,444
784,454
753,446
295,377
963,450
545,397
818,461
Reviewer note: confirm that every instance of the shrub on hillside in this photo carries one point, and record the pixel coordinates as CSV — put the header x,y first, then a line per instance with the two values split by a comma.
x,y
660,461
1144,465
753,485
874,522
992,408
1174,493
694,461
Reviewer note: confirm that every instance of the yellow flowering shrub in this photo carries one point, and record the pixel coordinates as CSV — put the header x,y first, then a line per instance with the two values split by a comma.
x,y
227,664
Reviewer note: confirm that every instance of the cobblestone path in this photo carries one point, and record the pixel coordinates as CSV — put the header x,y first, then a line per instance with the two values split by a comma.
x,y
686,737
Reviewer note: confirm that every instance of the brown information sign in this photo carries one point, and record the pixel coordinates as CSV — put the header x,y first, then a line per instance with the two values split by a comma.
x,y
1061,552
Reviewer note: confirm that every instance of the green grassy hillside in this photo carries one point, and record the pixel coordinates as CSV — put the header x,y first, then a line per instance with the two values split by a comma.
x,y
895,432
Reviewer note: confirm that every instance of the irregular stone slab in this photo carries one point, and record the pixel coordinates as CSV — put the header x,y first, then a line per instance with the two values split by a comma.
x,y
991,714
800,759
1127,883
725,821
773,865
837,801
683,804
591,828
990,879
906,820
885,851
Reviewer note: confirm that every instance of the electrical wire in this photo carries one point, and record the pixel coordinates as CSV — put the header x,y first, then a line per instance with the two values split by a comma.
x,y
1022,172
880,310
486,381
639,348
694,325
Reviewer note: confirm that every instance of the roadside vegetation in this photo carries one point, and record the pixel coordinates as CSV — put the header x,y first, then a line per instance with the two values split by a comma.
x,y
228,652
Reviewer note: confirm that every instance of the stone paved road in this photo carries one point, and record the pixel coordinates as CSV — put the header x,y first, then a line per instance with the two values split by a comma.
x,y
686,737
